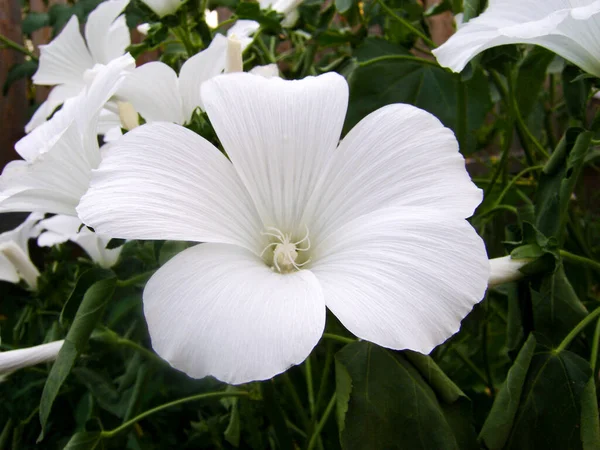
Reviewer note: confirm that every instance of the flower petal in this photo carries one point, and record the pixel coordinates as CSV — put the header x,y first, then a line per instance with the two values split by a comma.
x,y
153,90
196,70
219,310
65,59
162,181
403,278
163,7
397,156
26,357
107,37
58,95
243,30
278,134
8,271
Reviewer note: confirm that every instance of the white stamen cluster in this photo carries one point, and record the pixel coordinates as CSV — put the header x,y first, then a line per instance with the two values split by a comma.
x,y
285,252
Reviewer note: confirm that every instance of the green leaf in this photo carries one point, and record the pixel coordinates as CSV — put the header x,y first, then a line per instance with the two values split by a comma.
x,y
385,403
83,283
531,77
343,5
438,8
557,182
576,91
471,9
88,314
496,429
233,431
270,20
590,425
556,307
115,243
34,21
384,75
541,403
84,440
17,72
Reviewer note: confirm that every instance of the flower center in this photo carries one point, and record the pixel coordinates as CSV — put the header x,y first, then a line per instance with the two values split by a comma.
x,y
286,255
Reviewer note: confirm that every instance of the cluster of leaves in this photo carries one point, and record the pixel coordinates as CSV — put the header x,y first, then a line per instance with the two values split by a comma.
x,y
521,373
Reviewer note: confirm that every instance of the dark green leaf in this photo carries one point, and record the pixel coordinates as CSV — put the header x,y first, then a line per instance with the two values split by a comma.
x,y
88,314
34,21
343,5
472,8
385,403
251,10
84,440
576,91
531,77
233,431
115,243
590,423
83,283
438,8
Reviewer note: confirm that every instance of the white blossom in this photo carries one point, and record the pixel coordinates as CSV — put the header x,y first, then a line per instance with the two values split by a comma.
x,y
69,61
18,359
15,263
292,223
506,269
163,8
289,8
61,228
570,28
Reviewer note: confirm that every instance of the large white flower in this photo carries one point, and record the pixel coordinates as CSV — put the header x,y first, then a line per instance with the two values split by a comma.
x,y
68,62
373,229
59,156
15,263
570,28
158,94
61,228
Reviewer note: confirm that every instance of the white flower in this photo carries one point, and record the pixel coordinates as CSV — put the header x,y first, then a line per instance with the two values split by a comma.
x,y
163,8
61,228
18,359
67,61
373,228
143,28
158,94
289,8
15,263
505,269
570,28
211,18
60,155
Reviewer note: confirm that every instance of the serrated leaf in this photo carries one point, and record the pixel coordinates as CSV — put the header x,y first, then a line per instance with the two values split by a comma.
x,y
88,314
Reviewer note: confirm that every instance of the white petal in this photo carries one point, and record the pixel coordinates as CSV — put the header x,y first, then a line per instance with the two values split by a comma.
x,y
199,68
65,59
23,232
398,155
26,357
243,31
8,271
50,239
162,181
163,7
153,90
20,237
505,269
218,310
106,36
268,71
95,246
211,18
278,134
566,28
403,278
109,121
57,96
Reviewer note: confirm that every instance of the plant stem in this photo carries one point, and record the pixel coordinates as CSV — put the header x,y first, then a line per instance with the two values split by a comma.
x,y
595,342
335,337
109,434
138,348
514,180
13,45
321,424
576,259
578,329
406,23
400,57
309,386
296,400
137,279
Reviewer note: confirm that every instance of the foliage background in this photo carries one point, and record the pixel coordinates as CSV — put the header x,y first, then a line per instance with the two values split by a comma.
x,y
521,374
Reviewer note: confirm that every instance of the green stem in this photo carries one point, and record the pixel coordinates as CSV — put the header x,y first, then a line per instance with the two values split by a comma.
x,y
309,386
595,342
514,180
138,348
461,112
111,433
578,329
321,424
324,376
576,259
137,279
269,57
296,400
13,45
399,57
406,23
471,365
335,337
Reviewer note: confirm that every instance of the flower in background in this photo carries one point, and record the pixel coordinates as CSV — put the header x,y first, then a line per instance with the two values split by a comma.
x,y
211,18
372,228
26,357
570,28
15,263
158,94
59,156
61,228
506,269
289,8
69,63
163,8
